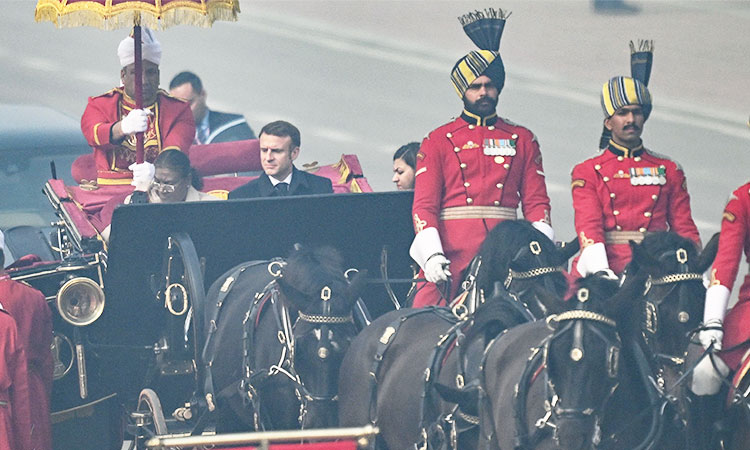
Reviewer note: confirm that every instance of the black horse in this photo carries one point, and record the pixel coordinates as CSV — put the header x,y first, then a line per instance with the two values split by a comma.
x,y
650,408
545,383
401,352
276,334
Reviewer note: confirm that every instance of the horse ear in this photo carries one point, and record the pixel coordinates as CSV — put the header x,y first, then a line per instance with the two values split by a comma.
x,y
631,289
568,249
707,255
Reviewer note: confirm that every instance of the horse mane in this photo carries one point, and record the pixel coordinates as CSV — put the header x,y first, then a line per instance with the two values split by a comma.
x,y
500,247
600,291
308,270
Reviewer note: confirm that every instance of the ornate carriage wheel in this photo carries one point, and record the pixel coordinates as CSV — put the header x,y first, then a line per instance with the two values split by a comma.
x,y
150,417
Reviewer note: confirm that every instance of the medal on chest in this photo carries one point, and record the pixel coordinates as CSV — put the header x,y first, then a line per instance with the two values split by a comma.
x,y
500,147
648,176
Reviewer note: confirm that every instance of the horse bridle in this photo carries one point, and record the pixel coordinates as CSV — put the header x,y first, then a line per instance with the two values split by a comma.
x,y
650,324
287,338
574,321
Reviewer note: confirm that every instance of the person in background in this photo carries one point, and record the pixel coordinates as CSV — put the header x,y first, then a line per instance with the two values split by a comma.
x,y
174,180
210,126
473,172
111,121
279,147
16,426
626,191
404,165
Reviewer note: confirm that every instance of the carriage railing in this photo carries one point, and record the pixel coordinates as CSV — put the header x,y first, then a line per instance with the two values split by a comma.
x,y
345,438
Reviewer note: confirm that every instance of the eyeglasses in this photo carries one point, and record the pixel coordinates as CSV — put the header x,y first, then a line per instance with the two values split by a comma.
x,y
164,187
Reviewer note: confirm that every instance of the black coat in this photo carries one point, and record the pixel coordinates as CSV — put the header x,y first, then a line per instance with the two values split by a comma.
x,y
225,127
303,183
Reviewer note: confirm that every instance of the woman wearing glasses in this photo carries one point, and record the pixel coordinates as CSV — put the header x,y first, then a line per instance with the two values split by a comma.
x,y
174,181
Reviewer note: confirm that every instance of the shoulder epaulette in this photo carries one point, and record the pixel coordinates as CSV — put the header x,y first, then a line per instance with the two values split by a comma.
x,y
111,92
167,94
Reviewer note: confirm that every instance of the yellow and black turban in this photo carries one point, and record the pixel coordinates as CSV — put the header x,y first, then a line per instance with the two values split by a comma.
x,y
623,91
484,28
473,66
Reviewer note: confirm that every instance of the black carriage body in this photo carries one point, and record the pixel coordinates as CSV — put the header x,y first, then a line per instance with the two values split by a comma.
x,y
225,234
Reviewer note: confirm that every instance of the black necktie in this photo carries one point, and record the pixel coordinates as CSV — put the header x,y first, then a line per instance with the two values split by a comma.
x,y
281,189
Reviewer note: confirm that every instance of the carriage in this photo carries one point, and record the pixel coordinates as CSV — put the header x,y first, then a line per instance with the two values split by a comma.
x,y
125,346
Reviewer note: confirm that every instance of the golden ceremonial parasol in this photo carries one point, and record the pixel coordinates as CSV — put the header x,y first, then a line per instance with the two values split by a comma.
x,y
155,14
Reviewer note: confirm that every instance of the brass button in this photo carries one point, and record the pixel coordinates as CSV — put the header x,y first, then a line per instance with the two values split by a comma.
x,y
647,214
618,228
514,136
642,230
620,172
612,195
637,158
499,185
497,202
506,165
456,149
605,179
491,127
472,126
620,158
499,159
463,165
616,212
467,184
449,135
654,197
597,167
469,201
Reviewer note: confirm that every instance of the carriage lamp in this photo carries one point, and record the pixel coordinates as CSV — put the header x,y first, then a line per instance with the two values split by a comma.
x,y
80,301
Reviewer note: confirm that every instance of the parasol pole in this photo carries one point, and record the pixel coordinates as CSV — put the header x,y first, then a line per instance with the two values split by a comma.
x,y
138,88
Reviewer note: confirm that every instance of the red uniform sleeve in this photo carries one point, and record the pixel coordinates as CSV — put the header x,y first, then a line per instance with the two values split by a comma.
x,y
734,226
180,132
97,121
15,371
428,184
535,202
589,215
679,216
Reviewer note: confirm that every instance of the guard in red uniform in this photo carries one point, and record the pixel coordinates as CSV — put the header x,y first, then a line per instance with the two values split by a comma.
x,y
15,415
473,172
626,190
731,333
111,121
33,318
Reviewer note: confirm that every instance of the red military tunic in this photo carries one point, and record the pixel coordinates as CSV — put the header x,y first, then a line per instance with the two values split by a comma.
x,y
33,317
733,240
175,130
15,415
624,190
471,163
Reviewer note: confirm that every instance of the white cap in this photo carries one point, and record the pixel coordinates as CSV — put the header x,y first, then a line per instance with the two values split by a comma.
x,y
150,48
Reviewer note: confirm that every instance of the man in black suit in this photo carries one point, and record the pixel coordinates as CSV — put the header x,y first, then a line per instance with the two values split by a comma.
x,y
279,147
210,126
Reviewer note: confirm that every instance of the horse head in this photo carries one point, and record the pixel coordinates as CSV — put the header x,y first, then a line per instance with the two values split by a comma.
x,y
583,350
671,303
315,288
526,263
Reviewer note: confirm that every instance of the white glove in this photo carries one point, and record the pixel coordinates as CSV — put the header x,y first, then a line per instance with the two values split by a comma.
x,y
608,274
706,337
593,259
135,122
436,268
706,380
545,228
143,174
717,299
